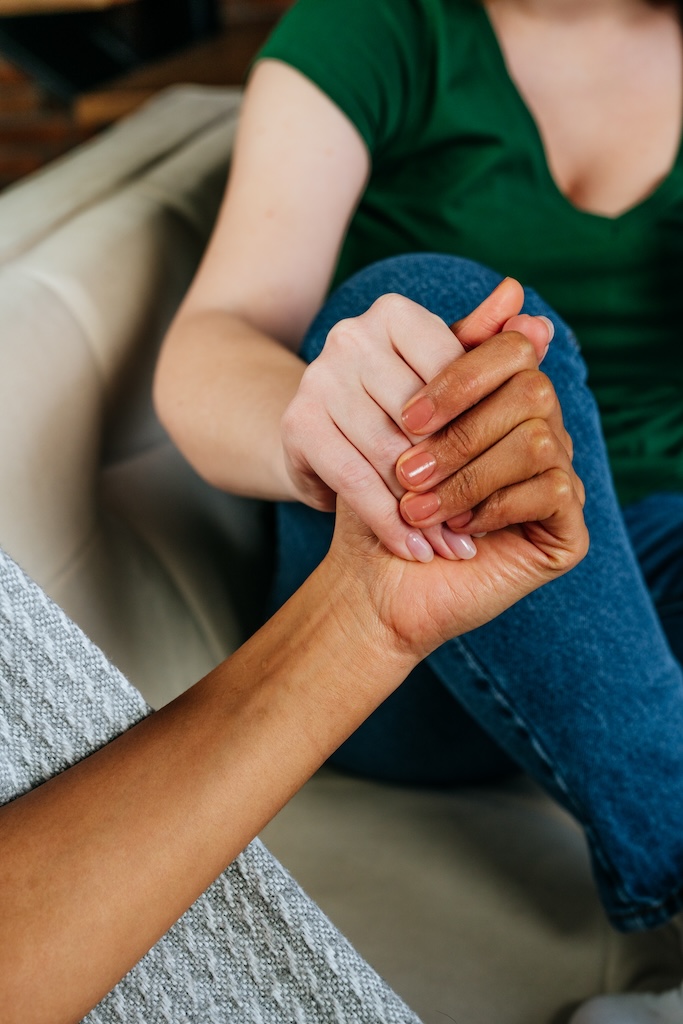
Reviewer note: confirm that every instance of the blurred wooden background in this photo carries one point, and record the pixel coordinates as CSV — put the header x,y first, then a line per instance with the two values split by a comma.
x,y
43,112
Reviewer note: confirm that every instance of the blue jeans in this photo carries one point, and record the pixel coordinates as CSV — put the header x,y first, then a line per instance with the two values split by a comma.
x,y
580,684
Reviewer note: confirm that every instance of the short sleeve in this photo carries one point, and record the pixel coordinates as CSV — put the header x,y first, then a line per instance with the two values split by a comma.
x,y
368,56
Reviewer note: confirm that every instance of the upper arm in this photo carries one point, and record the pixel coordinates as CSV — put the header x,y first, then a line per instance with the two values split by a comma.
x,y
299,169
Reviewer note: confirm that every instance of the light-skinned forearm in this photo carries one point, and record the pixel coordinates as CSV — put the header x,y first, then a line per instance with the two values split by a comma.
x,y
96,864
220,390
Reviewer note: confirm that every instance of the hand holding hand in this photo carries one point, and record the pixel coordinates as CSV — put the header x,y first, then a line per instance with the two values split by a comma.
x,y
495,424
343,432
420,606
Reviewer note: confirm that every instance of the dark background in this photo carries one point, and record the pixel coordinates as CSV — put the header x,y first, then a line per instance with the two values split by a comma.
x,y
65,76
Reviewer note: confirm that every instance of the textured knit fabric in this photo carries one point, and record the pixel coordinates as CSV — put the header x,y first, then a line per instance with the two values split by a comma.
x,y
253,948
458,167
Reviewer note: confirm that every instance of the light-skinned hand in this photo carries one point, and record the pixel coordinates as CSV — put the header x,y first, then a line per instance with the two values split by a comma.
x,y
343,432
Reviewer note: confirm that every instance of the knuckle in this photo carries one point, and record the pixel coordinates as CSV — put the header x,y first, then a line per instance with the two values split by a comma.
x,y
462,489
580,490
455,382
537,391
386,446
346,334
286,421
457,440
387,302
297,419
520,348
560,486
389,305
289,424
495,505
353,476
540,440
490,324
579,548
312,384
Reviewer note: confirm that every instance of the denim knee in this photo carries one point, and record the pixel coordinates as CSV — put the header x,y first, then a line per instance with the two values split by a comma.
x,y
449,286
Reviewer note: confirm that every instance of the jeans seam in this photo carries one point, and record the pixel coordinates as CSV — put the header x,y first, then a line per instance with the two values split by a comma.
x,y
501,700
655,914
442,284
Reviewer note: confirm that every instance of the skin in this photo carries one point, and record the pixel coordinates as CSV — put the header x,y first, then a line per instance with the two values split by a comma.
x,y
381,354
189,787
247,325
228,373
479,449
230,388
608,57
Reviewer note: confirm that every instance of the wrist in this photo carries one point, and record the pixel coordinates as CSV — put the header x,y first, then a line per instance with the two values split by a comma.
x,y
330,637
355,584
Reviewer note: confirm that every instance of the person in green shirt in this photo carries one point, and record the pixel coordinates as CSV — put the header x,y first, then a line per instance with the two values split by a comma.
x,y
410,154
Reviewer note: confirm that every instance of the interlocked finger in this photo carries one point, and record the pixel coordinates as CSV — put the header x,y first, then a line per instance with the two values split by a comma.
x,y
547,510
531,448
527,395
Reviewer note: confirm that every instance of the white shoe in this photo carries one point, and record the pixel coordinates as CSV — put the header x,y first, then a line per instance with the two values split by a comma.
x,y
635,1007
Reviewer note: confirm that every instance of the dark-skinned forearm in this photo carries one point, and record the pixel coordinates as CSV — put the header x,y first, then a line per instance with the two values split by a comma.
x,y
96,864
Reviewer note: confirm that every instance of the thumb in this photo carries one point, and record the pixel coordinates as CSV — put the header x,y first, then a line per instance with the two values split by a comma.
x,y
500,312
487,319
540,331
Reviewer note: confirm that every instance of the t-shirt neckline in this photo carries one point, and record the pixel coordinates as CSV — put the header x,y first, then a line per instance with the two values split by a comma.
x,y
658,195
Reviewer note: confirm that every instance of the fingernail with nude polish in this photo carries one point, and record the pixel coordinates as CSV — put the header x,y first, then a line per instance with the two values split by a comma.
x,y
418,414
550,325
418,468
460,544
420,506
419,547
551,334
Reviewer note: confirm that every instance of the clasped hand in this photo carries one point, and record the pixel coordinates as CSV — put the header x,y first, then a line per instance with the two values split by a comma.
x,y
425,436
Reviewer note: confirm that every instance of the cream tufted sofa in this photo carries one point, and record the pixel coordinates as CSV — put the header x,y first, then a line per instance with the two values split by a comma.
x,y
477,905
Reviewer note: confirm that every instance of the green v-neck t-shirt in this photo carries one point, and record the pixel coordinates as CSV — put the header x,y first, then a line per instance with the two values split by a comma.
x,y
458,166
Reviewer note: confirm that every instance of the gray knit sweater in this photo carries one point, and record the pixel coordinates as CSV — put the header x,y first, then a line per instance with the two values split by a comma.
x,y
254,947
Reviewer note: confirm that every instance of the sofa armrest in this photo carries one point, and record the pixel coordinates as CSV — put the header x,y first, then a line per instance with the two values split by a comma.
x,y
98,506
